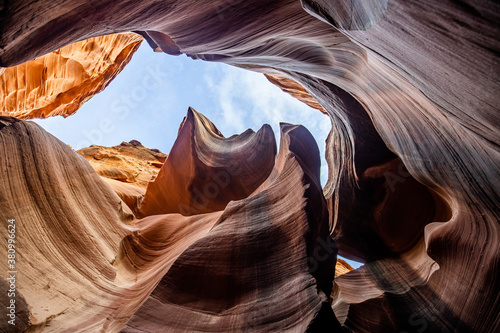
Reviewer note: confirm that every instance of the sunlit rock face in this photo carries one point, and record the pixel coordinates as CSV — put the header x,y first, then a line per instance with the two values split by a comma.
x,y
205,170
342,267
295,89
58,83
411,88
128,168
128,162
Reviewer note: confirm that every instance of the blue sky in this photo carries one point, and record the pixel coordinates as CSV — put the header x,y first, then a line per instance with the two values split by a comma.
x,y
149,98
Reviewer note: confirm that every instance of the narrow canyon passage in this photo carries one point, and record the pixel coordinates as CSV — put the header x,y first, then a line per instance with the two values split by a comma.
x,y
236,233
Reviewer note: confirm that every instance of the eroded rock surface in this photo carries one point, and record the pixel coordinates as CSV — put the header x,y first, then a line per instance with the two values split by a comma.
x,y
58,83
411,88
205,171
146,269
128,162
237,276
295,89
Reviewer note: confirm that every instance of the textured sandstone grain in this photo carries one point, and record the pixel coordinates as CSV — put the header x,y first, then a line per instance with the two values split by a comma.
x,y
342,267
69,226
403,80
239,275
204,170
97,266
58,83
295,89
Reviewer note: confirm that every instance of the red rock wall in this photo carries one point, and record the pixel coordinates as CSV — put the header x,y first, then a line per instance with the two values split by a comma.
x,y
411,88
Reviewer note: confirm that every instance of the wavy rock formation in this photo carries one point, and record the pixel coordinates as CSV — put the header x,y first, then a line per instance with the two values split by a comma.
x,y
69,225
165,262
411,88
295,89
342,267
58,83
238,284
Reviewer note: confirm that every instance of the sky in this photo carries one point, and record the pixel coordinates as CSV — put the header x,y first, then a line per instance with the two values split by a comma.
x,y
149,98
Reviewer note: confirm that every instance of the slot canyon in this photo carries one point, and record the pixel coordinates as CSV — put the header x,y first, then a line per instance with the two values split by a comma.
x,y
237,233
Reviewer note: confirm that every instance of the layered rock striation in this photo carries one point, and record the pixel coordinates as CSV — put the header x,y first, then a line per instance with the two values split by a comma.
x,y
205,170
128,162
411,89
58,83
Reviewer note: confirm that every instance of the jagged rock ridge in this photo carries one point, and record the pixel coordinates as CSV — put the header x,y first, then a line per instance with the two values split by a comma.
x,y
128,162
